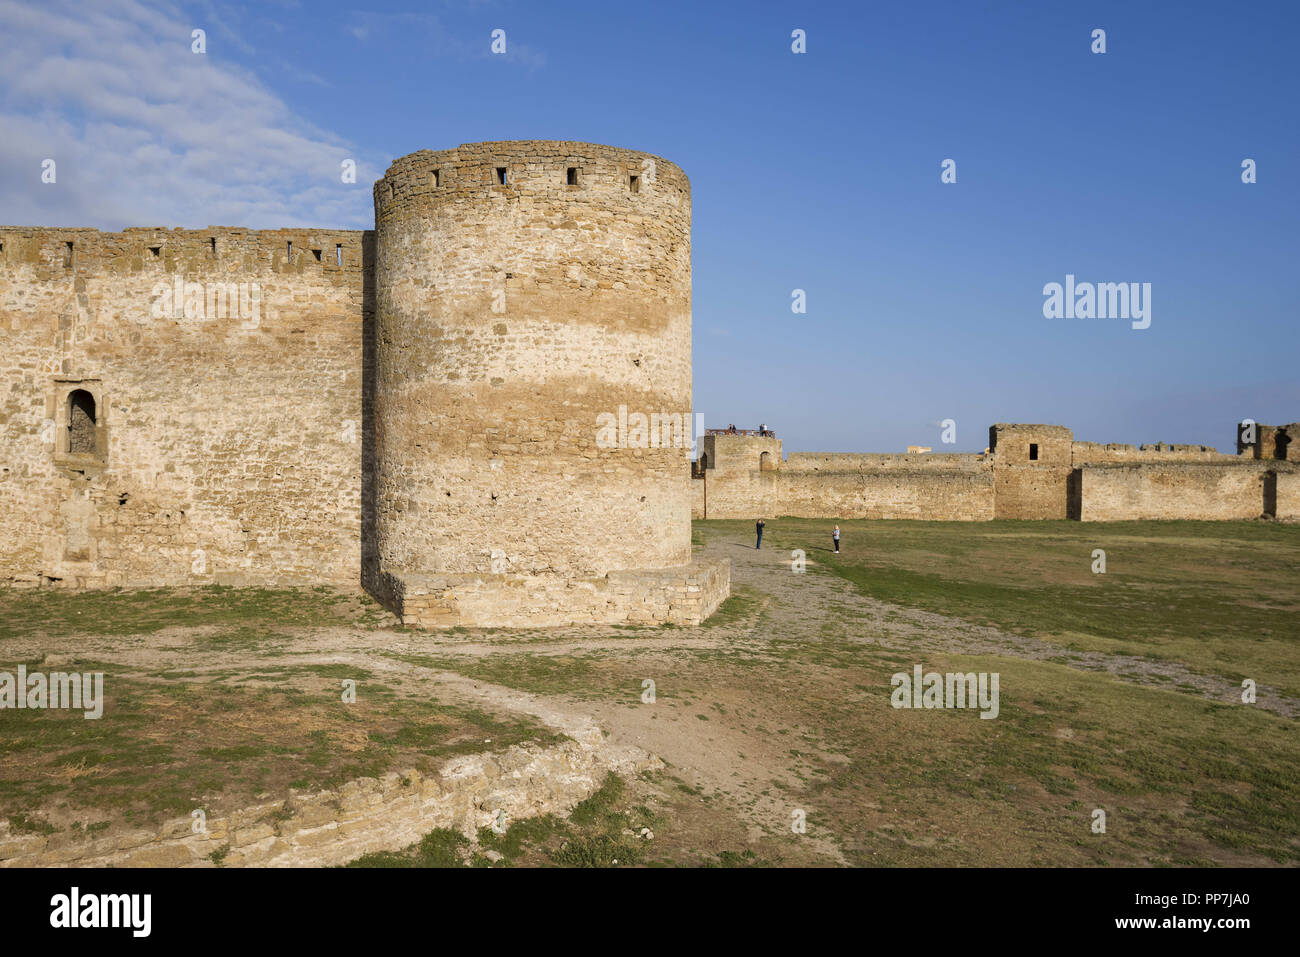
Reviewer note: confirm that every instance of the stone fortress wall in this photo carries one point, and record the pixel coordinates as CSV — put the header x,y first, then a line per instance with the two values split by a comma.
x,y
525,290
415,408
1029,472
224,442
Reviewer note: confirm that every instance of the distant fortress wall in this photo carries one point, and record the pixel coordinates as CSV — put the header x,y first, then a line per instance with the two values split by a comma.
x,y
1029,472
1174,490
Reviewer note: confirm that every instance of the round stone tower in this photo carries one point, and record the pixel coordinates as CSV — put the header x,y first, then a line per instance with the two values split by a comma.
x,y
533,303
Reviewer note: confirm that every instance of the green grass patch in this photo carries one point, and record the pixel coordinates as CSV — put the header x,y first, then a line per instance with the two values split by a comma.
x,y
592,836
162,749
26,613
438,848
1220,598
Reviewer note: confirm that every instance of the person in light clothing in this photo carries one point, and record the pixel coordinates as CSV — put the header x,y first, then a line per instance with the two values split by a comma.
x,y
835,537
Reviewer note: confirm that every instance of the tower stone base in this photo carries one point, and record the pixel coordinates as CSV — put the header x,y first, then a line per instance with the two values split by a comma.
x,y
681,595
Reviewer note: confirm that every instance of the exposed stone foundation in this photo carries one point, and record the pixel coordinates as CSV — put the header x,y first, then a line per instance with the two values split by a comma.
x,y
682,595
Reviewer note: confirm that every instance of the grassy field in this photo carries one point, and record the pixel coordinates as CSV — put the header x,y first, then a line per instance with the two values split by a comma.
x,y
55,612
223,713
1119,692
1186,781
169,746
1218,597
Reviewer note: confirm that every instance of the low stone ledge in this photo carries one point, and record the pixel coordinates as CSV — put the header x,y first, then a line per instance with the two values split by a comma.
x,y
681,595
321,828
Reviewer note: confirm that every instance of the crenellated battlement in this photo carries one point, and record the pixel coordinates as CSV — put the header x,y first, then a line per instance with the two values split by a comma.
x,y
54,254
582,173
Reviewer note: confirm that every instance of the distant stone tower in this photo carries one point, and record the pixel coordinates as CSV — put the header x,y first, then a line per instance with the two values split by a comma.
x,y
523,289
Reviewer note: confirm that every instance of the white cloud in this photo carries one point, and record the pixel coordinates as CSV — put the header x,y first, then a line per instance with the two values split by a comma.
x,y
145,132
440,41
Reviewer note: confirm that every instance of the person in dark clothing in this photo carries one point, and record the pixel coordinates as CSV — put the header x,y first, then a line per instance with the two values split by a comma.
x,y
758,527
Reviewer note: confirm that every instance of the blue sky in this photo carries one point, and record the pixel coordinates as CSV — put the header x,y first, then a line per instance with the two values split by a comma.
x,y
818,171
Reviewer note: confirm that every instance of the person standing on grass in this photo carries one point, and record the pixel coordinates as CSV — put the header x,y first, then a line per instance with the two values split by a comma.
x,y
758,527
835,537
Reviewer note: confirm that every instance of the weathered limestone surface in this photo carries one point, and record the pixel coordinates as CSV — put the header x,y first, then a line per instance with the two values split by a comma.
x,y
683,595
229,439
1186,490
1288,496
524,290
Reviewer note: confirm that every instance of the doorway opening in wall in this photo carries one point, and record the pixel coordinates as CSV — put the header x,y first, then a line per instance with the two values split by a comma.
x,y
1033,451
1270,495
765,461
1074,495
1280,442
81,422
